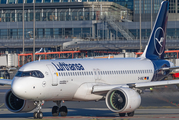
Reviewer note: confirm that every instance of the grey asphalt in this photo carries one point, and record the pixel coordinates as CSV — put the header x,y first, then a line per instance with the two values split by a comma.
x,y
162,103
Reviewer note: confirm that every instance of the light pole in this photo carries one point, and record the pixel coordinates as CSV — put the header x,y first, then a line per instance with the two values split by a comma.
x,y
34,33
151,16
23,27
23,51
140,25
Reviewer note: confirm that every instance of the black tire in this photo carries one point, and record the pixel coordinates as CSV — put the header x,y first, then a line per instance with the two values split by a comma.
x,y
122,114
63,111
40,115
170,77
35,115
55,111
131,114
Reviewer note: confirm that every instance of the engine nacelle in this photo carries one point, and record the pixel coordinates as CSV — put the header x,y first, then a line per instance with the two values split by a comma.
x,y
15,104
123,100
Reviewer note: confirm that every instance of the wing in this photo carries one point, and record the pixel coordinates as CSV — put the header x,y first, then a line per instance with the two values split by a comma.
x,y
5,82
106,88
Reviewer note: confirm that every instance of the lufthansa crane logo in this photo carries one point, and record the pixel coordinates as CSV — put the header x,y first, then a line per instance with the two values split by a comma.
x,y
159,40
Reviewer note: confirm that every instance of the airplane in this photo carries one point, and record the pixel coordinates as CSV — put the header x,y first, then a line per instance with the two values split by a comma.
x,y
118,81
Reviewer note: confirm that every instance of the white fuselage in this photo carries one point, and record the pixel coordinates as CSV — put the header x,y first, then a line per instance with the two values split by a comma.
x,y
73,79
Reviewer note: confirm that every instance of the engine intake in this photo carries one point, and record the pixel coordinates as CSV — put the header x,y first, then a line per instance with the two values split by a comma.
x,y
123,100
15,104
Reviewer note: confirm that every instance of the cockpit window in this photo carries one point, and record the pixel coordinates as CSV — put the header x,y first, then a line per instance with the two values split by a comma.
x,y
35,73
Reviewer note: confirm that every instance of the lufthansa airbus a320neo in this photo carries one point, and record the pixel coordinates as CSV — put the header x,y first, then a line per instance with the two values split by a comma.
x,y
117,81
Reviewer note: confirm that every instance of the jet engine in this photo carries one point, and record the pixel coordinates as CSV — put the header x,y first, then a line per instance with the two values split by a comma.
x,y
123,100
15,104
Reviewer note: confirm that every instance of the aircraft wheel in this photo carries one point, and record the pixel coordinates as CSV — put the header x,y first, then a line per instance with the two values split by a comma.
x,y
40,115
35,115
131,114
122,114
63,111
55,111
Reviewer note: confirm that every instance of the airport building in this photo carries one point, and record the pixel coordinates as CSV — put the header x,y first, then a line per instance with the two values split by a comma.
x,y
82,24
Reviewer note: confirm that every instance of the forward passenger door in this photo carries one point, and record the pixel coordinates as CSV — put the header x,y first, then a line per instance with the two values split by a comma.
x,y
53,74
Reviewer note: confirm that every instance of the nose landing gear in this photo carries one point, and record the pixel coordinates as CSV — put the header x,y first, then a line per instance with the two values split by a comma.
x,y
38,114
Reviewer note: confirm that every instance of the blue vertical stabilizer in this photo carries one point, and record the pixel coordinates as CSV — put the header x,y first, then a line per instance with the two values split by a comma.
x,y
156,45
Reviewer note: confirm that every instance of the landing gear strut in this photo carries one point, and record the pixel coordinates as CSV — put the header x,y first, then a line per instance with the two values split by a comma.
x,y
58,109
38,114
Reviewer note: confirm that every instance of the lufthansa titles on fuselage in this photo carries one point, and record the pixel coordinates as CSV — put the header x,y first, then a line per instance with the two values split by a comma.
x,y
61,66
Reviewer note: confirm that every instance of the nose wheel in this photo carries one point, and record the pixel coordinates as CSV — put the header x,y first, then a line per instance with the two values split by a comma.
x,y
38,114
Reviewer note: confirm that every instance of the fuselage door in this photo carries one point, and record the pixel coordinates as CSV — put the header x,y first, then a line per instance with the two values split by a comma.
x,y
54,75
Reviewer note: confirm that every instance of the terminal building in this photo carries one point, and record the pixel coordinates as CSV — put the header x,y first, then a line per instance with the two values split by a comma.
x,y
82,24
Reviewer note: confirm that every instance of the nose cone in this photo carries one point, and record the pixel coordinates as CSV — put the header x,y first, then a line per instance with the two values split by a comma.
x,y
18,88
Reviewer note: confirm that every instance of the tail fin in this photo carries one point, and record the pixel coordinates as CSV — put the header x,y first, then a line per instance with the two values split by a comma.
x,y
156,46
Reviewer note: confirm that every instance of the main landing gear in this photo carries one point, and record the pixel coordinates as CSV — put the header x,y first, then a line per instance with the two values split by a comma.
x,y
38,114
58,109
131,114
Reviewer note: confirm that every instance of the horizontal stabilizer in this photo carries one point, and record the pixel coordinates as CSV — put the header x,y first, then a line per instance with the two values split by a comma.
x,y
170,68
